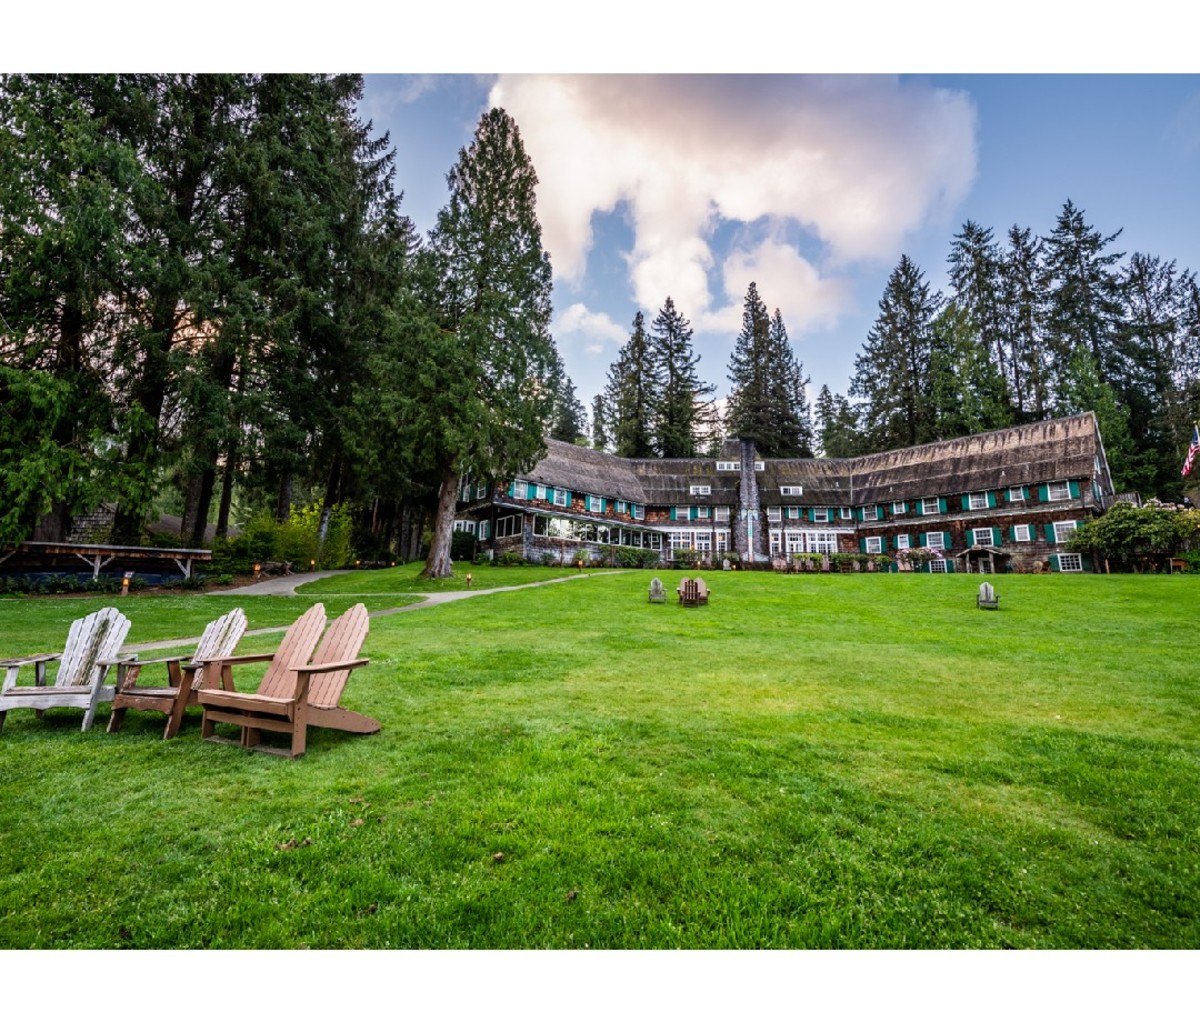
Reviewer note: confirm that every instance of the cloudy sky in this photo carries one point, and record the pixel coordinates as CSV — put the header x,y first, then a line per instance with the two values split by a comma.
x,y
691,186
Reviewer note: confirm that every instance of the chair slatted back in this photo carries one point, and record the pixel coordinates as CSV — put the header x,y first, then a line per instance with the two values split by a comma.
x,y
701,590
296,648
342,642
219,640
98,636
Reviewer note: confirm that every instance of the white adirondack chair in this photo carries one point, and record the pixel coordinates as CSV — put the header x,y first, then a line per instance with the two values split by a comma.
x,y
90,650
219,640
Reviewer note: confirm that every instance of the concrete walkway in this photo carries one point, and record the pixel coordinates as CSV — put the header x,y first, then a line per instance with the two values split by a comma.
x,y
286,586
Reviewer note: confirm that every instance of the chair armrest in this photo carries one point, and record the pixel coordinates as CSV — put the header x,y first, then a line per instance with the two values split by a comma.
x,y
156,660
336,665
130,658
40,658
241,658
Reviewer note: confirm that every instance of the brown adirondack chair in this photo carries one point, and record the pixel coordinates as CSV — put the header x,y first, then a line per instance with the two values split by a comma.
x,y
219,640
296,693
701,591
90,650
689,595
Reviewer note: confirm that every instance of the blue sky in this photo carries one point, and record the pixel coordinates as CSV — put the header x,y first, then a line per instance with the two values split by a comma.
x,y
692,185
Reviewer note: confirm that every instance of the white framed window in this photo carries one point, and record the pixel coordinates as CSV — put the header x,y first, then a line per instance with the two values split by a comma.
x,y
485,530
560,498
701,491
930,506
621,507
845,514
982,537
729,466
681,540
873,544
1063,531
820,514
760,466
722,538
935,541
1058,491
902,542
637,512
792,512
977,501
870,514
1021,534
899,507
774,514
704,512
938,566
593,503
704,542
539,491
1070,562
464,525
721,514
776,543
480,491
791,491
1016,494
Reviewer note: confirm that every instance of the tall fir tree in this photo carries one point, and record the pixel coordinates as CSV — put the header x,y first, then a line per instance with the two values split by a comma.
x,y
837,426
631,396
891,374
484,407
1022,315
600,440
975,287
681,395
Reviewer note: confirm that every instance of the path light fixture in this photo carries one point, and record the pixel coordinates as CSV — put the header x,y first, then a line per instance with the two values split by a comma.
x,y
469,580
257,569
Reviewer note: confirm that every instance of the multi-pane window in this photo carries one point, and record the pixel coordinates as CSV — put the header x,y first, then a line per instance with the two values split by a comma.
x,y
560,497
935,540
508,526
760,466
820,514
899,507
874,544
1021,533
464,525
594,503
937,566
701,491
930,506
704,512
977,501
982,537
729,466
721,514
1016,494
636,511
1063,531
845,513
901,542
791,491
870,514
485,530
480,491
620,507
774,514
1070,562
792,512
1058,491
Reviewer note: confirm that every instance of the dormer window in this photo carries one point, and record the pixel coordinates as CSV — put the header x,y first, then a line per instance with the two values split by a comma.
x,y
791,491
701,491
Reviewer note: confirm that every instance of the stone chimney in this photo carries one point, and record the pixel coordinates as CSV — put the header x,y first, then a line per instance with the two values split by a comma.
x,y
749,539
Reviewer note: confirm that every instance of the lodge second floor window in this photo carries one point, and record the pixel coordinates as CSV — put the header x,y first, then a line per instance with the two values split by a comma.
x,y
874,545
870,514
820,514
930,506
1063,531
977,501
1021,534
1058,491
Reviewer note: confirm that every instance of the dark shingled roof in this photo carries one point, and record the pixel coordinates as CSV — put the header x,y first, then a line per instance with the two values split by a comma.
x,y
1037,452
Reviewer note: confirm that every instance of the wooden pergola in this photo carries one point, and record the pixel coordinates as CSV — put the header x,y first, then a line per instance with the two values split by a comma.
x,y
99,556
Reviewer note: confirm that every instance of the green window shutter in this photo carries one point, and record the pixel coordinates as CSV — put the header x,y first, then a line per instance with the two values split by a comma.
x,y
880,511
674,513
858,514
920,539
883,545
512,489
949,567
991,498
1074,485
693,513
570,497
947,541
942,504
603,504
997,536
1025,492
1012,535
812,514
966,502
862,546
1043,493
1054,562
1049,533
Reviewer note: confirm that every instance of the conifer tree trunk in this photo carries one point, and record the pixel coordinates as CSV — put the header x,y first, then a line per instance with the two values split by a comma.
x,y
438,564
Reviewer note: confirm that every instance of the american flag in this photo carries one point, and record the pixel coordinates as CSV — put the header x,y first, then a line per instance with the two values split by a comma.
x,y
1191,454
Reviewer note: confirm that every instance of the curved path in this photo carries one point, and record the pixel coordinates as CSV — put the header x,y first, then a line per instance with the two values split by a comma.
x,y
286,586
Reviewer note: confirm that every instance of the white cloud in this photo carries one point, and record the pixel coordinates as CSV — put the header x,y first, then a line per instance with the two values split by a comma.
x,y
854,162
595,330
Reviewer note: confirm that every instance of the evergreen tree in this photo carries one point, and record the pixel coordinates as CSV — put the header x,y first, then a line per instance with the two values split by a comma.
x,y
966,391
680,393
600,438
1022,305
1082,297
568,417
631,397
837,423
1085,391
488,401
975,283
892,373
768,402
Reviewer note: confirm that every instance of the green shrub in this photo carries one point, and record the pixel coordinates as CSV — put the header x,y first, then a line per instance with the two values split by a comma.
x,y
462,546
509,559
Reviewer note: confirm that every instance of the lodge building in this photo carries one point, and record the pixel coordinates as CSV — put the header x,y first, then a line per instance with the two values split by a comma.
x,y
1007,500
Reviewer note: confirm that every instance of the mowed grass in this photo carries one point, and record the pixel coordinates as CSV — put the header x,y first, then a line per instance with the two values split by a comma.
x,y
406,578
807,762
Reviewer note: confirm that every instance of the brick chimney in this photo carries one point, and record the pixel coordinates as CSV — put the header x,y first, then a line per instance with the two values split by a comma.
x,y
749,538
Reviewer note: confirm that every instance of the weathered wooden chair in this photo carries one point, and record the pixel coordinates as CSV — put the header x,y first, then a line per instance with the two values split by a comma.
x,y
689,593
701,591
295,694
89,652
218,642
657,593
987,598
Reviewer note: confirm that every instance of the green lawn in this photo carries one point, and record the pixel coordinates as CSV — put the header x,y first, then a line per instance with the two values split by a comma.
x,y
807,762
